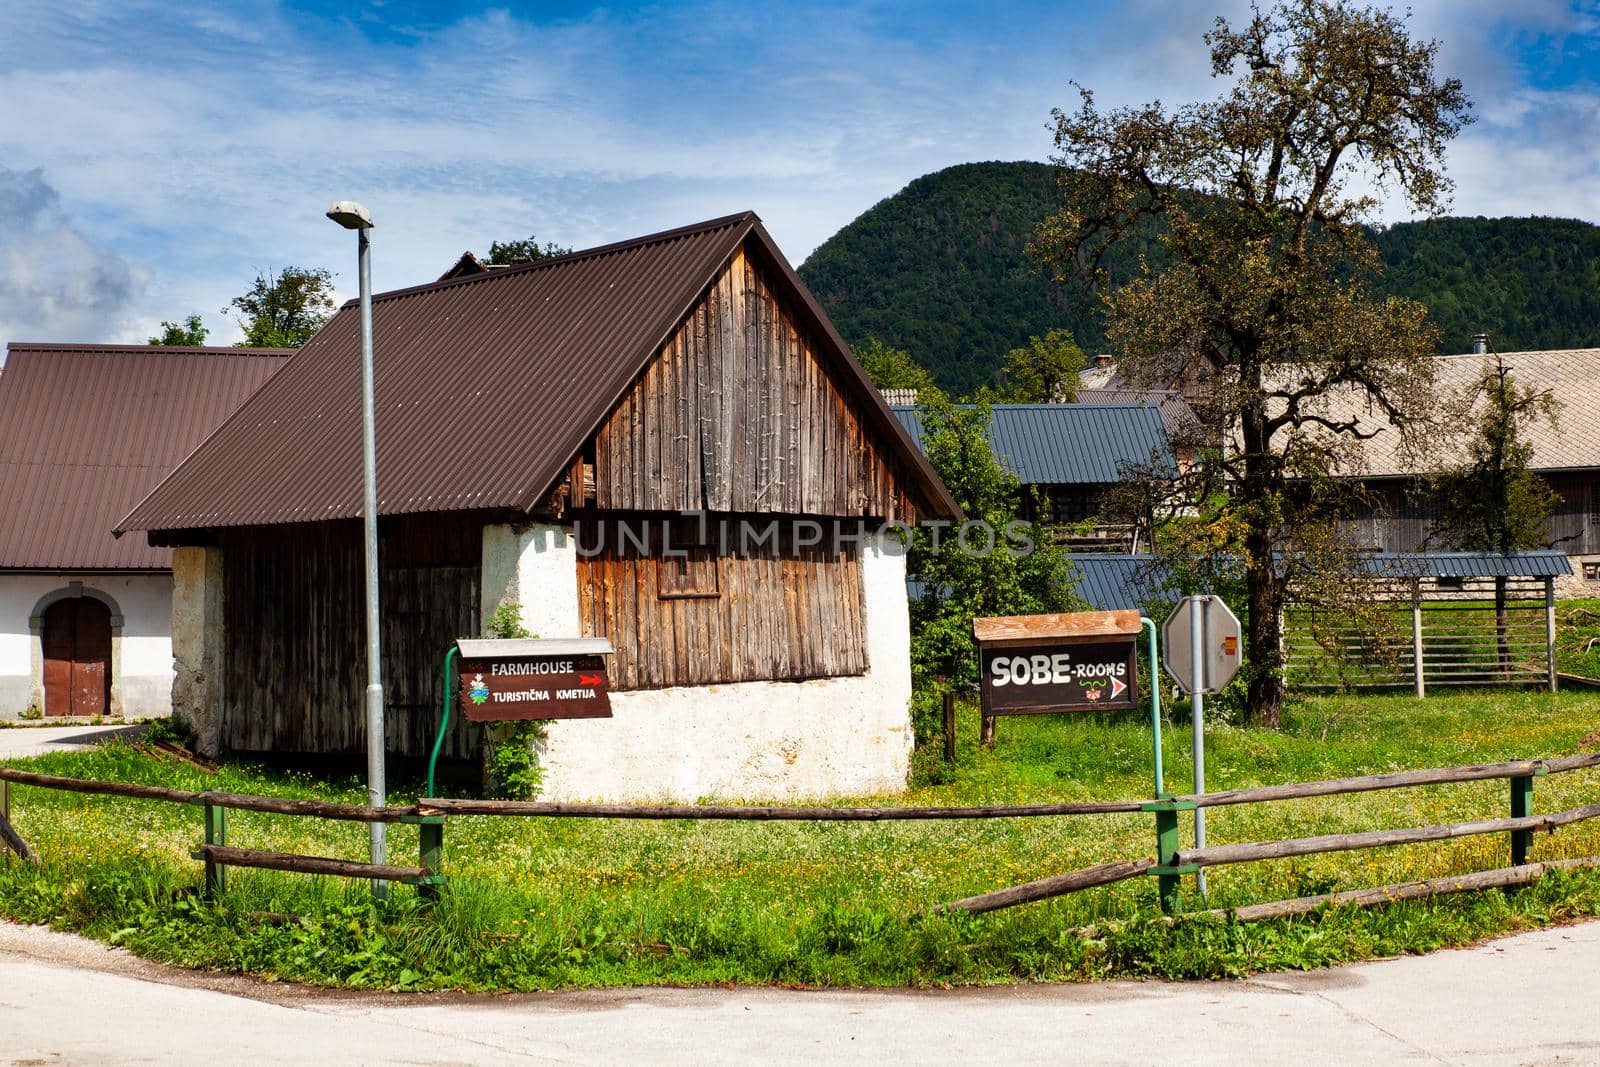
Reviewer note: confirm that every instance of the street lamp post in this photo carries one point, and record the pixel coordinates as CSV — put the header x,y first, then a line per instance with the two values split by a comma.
x,y
352,216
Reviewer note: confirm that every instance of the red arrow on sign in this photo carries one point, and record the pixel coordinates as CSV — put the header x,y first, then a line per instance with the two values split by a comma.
x,y
1118,688
588,679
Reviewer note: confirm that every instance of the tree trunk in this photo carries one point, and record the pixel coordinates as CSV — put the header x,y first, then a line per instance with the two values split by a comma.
x,y
1261,492
1264,652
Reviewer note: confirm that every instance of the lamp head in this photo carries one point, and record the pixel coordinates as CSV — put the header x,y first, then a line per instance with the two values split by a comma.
x,y
350,215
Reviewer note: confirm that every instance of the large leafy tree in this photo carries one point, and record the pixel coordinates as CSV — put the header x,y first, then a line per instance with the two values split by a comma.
x,y
191,332
1043,371
892,368
285,309
505,253
1263,299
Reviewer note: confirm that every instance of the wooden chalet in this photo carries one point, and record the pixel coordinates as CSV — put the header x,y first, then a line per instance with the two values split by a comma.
x,y
594,438
1398,514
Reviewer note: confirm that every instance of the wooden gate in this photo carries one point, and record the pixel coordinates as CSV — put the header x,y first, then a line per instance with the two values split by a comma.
x,y
76,638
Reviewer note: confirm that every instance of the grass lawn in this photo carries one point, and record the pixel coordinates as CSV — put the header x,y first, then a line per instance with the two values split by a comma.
x,y
1578,637
537,904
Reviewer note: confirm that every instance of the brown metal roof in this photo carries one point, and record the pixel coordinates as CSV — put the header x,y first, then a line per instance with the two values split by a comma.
x,y
486,387
87,430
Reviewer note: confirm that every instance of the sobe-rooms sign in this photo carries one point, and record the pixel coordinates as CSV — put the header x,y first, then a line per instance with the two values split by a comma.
x,y
1083,661
1053,679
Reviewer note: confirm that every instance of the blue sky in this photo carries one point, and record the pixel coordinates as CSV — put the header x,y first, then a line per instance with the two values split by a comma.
x,y
154,156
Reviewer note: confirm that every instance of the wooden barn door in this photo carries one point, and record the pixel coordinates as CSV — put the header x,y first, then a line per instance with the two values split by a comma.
x,y
77,657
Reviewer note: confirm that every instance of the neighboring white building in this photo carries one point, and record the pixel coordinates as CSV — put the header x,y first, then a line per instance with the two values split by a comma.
x,y
85,432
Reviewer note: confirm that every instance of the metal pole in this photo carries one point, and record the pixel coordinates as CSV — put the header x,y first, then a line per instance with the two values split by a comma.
x,y
376,786
1155,703
1197,658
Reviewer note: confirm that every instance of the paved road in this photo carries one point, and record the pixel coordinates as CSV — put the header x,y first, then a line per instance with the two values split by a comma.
x,y
1526,999
37,740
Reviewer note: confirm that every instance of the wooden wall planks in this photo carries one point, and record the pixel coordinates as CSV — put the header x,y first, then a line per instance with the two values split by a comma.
x,y
737,413
782,612
294,656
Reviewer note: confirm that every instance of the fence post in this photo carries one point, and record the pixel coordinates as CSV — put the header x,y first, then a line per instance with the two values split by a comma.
x,y
1167,872
5,814
1416,636
1521,808
949,725
216,834
430,848
1550,631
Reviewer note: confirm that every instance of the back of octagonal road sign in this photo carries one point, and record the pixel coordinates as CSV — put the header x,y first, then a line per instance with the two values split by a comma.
x,y
1221,648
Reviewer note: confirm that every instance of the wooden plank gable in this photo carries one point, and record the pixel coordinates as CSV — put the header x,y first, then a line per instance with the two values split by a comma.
x,y
740,412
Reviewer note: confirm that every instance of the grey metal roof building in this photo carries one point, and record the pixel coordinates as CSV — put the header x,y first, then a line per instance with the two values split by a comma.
x,y
1067,444
1116,583
1176,414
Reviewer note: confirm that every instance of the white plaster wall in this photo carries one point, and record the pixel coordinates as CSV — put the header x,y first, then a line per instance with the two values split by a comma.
x,y
760,740
141,658
535,565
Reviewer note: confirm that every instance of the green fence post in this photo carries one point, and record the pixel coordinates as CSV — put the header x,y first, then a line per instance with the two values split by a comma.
x,y
431,838
1166,870
216,834
1521,808
1166,849
430,847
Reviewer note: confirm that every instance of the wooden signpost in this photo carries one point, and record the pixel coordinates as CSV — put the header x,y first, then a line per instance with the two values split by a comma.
x,y
522,679
1041,664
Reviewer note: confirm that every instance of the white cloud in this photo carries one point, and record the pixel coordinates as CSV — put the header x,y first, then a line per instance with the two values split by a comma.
x,y
55,284
207,141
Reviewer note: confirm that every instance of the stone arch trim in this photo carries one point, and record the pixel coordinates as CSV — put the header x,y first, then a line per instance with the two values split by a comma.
x,y
68,592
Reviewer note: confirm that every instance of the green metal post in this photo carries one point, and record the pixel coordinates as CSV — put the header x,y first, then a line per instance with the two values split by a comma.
x,y
430,846
1167,870
1521,808
430,837
1166,849
216,834
1155,703
444,713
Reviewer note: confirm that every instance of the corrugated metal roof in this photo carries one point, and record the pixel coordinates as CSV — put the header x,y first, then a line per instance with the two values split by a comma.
x,y
1116,583
1176,414
1066,444
1538,563
87,430
1112,582
486,387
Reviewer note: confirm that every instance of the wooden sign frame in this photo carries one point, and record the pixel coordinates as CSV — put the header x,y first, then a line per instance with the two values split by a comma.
x,y
1053,663
524,679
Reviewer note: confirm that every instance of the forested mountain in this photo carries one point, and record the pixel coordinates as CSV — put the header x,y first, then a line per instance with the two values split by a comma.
x,y
941,269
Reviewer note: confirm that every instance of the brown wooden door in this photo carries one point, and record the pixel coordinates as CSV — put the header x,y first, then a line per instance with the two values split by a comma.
x,y
77,657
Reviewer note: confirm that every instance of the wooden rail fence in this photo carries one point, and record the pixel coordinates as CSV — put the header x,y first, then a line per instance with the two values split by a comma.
x,y
1169,864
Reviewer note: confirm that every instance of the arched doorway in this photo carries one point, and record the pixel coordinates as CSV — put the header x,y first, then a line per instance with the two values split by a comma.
x,y
76,637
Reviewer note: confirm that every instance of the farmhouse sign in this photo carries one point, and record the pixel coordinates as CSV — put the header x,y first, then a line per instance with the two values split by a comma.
x,y
1034,664
505,680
